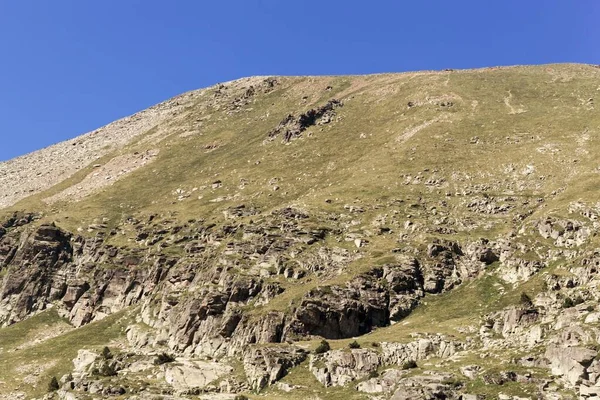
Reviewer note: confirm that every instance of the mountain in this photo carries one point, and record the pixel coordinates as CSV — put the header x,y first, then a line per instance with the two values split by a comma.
x,y
426,235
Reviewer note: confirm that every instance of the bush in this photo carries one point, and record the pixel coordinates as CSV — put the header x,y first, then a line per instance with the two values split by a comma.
x,y
410,364
323,347
375,344
240,397
163,358
589,308
526,300
354,345
567,303
106,354
373,374
53,384
578,300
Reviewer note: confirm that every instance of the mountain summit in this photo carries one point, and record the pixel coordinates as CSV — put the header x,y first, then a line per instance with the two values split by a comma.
x,y
426,235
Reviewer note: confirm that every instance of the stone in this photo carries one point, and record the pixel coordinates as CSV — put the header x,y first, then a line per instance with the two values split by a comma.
x,y
266,365
570,362
339,367
185,375
84,360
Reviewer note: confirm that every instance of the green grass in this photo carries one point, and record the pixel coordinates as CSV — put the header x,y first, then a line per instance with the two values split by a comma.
x,y
55,355
368,159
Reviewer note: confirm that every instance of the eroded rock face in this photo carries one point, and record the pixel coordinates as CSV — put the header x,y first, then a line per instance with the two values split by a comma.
x,y
338,312
265,366
340,367
292,127
385,383
36,273
185,375
429,387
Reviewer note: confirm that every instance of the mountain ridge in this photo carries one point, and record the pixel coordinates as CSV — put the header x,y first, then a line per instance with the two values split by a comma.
x,y
437,229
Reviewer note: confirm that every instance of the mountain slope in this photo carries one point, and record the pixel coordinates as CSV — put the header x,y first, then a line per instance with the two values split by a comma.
x,y
444,218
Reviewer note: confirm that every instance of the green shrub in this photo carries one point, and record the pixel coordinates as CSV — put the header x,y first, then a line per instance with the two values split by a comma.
x,y
410,364
323,347
354,345
53,385
241,397
375,344
373,374
567,303
106,354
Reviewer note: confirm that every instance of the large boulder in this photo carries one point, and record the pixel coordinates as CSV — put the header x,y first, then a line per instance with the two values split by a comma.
x,y
570,362
266,365
339,367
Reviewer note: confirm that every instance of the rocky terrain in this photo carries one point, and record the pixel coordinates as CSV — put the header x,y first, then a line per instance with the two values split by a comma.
x,y
428,235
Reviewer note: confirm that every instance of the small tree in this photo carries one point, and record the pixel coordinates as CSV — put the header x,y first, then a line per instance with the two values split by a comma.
x,y
323,347
354,345
106,354
53,385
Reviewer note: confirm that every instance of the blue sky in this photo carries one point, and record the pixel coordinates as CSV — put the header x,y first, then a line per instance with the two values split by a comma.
x,y
70,66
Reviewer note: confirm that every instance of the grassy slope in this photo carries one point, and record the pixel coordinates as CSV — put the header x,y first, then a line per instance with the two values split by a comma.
x,y
53,356
336,163
365,158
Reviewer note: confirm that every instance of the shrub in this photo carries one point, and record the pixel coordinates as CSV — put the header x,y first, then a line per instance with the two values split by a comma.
x,y
354,345
567,303
163,358
589,308
106,354
240,397
373,374
53,384
578,300
323,347
409,364
375,344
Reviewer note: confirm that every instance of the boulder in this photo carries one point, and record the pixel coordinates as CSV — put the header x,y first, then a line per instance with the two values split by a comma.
x,y
570,362
266,365
185,375
339,367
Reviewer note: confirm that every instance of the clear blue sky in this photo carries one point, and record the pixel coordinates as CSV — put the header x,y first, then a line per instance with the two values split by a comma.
x,y
70,66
